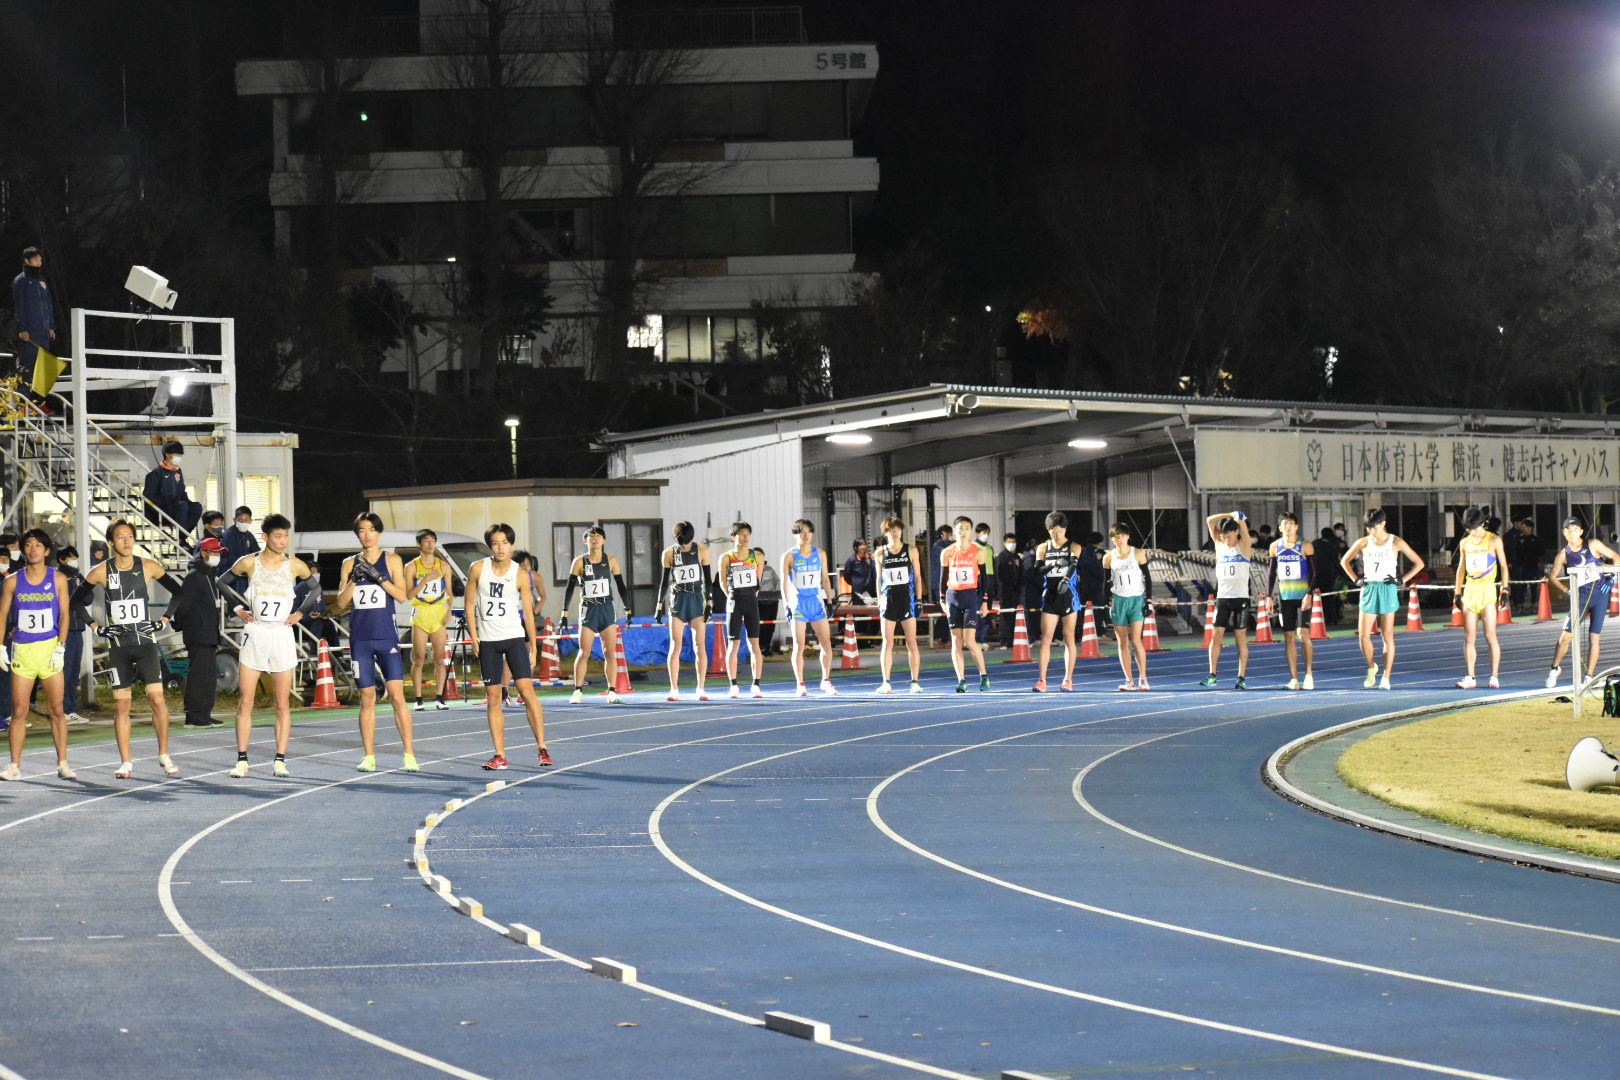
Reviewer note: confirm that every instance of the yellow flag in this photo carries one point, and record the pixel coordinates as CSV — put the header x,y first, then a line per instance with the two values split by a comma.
x,y
47,369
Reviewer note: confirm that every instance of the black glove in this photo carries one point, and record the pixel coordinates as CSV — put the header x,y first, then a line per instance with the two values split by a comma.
x,y
562,623
107,631
1391,579
149,627
629,616
1361,583
658,614
365,573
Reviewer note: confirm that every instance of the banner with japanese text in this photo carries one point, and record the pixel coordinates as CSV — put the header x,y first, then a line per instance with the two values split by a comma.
x,y
1299,460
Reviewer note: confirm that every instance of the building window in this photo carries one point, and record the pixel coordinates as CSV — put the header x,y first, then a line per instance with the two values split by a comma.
x,y
704,339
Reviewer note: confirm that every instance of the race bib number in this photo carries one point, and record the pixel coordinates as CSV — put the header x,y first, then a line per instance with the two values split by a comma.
x,y
36,621
1478,562
686,575
494,609
896,575
1230,571
963,575
271,609
127,612
1289,570
369,597
432,589
807,579
596,589
743,576
1057,572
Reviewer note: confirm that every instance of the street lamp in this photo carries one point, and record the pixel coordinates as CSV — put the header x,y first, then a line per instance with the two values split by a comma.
x,y
512,426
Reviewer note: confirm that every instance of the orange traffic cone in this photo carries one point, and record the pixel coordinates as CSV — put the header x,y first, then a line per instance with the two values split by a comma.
x,y
1544,605
1089,649
452,692
1262,623
851,660
1504,608
550,660
1456,611
1614,603
1020,649
1318,620
717,645
325,688
1414,615
1150,632
621,681
1209,622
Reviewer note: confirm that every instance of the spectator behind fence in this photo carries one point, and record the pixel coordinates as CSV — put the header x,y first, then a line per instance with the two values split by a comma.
x,y
36,316
166,492
196,616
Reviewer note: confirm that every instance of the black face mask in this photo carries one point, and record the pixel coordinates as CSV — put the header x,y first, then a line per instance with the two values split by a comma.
x,y
33,271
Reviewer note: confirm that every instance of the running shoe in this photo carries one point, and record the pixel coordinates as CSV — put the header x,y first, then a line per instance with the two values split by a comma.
x,y
1371,679
417,707
1143,685
1067,686
1039,687
11,772
75,720
612,697
239,770
734,693
961,686
828,688
367,764
1131,685
673,695
801,691
410,764
545,757
1208,681
577,697
1552,676
168,765
984,684
126,771
1495,683
1292,684
702,694
496,762
916,688
64,771
1466,683
1383,683
1309,683
885,688
278,769
441,705
756,691
1241,684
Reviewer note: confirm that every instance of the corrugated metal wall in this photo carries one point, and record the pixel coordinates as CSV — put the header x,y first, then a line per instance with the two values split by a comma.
x,y
763,486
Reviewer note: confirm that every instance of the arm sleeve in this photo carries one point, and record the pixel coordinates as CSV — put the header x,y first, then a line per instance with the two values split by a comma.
x,y
80,601
312,593
711,589
1271,576
624,593
568,594
167,581
663,583
1147,581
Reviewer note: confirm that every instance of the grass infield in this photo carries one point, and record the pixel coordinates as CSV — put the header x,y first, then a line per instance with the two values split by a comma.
x,y
1497,769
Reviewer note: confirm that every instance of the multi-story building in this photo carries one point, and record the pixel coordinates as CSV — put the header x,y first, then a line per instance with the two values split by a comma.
x,y
749,207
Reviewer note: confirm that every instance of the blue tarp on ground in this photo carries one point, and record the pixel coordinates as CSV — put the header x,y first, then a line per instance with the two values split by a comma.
x,y
646,643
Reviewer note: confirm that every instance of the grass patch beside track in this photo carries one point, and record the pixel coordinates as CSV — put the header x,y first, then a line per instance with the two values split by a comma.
x,y
1497,769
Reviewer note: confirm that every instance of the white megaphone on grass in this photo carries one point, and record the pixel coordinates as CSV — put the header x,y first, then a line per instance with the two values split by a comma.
x,y
1591,766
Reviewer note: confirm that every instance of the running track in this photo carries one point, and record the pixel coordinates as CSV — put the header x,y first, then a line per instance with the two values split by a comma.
x,y
1070,885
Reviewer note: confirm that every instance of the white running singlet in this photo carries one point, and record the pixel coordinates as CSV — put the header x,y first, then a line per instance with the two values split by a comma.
x,y
500,615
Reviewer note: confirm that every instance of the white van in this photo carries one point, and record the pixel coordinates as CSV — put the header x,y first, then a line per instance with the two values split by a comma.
x,y
326,551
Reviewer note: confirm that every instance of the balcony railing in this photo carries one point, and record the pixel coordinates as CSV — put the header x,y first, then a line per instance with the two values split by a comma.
x,y
553,31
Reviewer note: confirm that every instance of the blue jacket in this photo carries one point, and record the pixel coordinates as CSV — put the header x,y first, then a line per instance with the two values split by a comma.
x,y
31,300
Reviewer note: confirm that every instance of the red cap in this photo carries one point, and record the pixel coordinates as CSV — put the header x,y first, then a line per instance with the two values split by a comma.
x,y
211,544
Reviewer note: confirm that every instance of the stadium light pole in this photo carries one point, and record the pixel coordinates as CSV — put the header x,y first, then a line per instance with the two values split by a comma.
x,y
512,426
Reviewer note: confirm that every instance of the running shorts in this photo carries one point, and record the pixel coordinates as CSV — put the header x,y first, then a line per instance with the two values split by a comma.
x,y
129,663
1593,606
899,604
962,609
1059,602
810,608
268,647
371,655
430,618
37,659
1288,611
1232,613
1126,610
1479,596
495,657
1380,598
597,617
686,606
744,615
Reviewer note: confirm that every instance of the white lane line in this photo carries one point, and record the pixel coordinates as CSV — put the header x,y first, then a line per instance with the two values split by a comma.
x,y
103,937
36,939
1197,1021
236,883
357,879
10,1074
876,817
414,964
296,880
1473,916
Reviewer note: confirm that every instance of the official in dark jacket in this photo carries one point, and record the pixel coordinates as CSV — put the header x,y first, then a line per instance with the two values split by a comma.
x,y
1093,578
165,490
36,312
1010,580
196,616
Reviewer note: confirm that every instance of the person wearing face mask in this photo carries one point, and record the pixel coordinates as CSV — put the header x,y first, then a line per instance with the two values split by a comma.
x,y
165,493
67,561
196,616
239,541
36,316
1010,581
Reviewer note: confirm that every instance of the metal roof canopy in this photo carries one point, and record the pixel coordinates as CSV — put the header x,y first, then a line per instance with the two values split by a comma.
x,y
945,424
